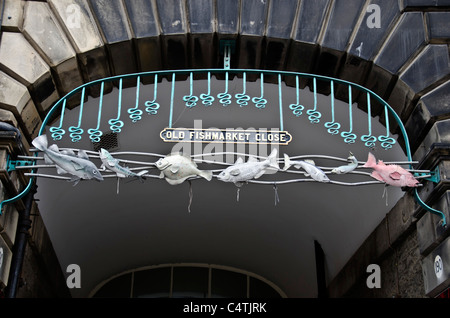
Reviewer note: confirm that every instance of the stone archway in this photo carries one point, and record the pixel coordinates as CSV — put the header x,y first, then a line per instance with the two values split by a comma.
x,y
63,44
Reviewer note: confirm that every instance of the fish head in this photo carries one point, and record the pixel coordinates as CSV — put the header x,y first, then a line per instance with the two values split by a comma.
x,y
224,176
93,173
162,164
103,154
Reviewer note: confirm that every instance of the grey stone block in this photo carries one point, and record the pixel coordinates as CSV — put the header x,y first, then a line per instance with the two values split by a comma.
x,y
203,47
425,3
12,15
113,24
438,29
253,17
41,29
432,107
281,19
174,41
439,133
310,20
6,256
341,23
228,18
369,37
408,36
31,70
430,66
77,20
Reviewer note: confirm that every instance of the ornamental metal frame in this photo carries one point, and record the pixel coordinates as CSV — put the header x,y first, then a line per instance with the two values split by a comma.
x,y
225,99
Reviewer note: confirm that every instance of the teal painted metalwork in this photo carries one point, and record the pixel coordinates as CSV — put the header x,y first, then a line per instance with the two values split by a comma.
x,y
171,100
242,98
95,134
349,136
369,140
190,100
333,127
280,101
386,141
135,113
58,132
116,124
225,97
260,102
314,114
296,108
151,106
76,132
207,99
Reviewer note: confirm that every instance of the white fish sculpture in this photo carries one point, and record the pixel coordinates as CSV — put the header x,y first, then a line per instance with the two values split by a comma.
x,y
307,165
347,168
242,171
176,168
111,163
67,162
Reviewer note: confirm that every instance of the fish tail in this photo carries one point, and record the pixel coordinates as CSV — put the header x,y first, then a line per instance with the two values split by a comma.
x,y
371,161
273,159
141,174
40,142
287,162
206,174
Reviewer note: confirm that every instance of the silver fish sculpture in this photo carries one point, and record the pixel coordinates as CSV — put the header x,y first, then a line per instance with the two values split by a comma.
x,y
242,171
347,168
111,163
177,168
307,165
67,162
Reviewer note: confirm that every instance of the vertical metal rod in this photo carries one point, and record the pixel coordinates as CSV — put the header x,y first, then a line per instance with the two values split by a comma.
x,y
23,225
280,100
171,100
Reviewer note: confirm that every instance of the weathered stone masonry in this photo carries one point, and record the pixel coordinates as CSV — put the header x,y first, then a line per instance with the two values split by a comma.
x,y
50,47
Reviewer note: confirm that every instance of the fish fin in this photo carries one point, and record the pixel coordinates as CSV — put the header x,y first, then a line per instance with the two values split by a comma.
x,y
273,159
76,165
259,174
377,176
287,162
371,161
60,170
141,174
120,175
239,161
174,168
235,172
47,159
206,174
395,175
82,154
40,142
252,159
177,181
75,180
161,175
298,166
311,162
54,148
67,152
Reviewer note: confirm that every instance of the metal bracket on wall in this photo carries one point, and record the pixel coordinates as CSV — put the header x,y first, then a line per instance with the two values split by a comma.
x,y
227,47
13,164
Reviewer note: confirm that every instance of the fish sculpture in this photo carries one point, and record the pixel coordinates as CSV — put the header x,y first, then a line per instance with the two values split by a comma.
x,y
390,174
347,168
242,171
111,163
176,168
67,162
307,165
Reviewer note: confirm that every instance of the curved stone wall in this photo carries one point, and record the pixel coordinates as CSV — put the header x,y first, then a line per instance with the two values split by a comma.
x,y
398,49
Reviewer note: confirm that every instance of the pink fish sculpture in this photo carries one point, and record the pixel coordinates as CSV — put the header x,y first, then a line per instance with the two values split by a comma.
x,y
391,174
